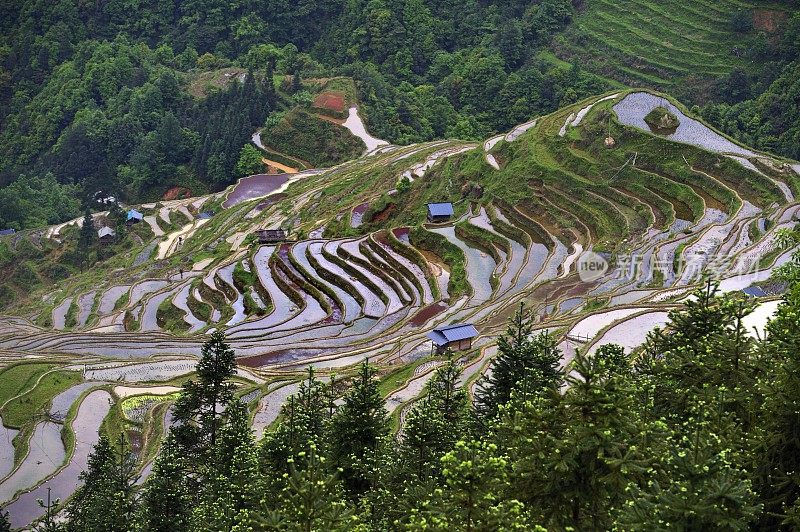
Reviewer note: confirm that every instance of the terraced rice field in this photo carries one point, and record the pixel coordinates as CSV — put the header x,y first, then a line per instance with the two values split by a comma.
x,y
676,46
659,210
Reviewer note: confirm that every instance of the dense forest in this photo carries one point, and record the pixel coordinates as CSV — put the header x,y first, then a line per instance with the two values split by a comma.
x,y
94,100
696,430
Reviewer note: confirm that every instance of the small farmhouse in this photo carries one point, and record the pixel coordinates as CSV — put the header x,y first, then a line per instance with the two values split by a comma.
x,y
440,212
134,217
453,338
106,235
271,236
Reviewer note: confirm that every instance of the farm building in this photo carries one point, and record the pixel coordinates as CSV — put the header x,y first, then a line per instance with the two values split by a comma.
x,y
134,217
453,338
754,291
106,235
270,236
206,215
7,232
440,212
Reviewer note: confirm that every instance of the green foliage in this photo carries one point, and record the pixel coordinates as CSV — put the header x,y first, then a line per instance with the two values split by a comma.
x,y
105,502
198,408
249,161
357,430
527,364
312,139
451,254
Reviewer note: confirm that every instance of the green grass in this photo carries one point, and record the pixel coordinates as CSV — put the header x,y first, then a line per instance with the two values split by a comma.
x,y
303,135
19,378
450,254
399,377
680,46
34,403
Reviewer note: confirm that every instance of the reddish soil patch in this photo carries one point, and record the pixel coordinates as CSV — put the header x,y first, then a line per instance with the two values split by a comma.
x,y
421,317
177,193
401,234
384,215
333,101
768,20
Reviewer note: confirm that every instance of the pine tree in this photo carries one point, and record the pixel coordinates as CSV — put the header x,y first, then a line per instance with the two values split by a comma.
x,y
475,494
198,411
5,524
231,480
105,500
167,501
434,424
312,499
357,430
524,361
305,420
574,454
777,453
697,484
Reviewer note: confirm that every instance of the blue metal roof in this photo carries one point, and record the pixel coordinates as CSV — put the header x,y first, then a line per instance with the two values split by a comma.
x,y
106,231
6,232
440,209
133,214
205,215
754,291
452,333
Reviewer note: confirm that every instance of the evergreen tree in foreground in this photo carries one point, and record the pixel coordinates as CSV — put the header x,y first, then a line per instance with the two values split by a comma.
x,y
5,524
524,362
166,503
198,411
105,502
358,429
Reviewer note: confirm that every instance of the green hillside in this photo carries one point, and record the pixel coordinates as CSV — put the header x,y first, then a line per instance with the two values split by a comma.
x,y
680,47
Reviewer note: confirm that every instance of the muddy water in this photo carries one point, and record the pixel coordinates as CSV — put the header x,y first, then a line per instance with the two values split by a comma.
x,y
60,314
591,325
357,216
373,306
632,109
149,320
269,407
45,456
283,307
352,309
409,391
7,435
395,303
181,301
109,299
255,186
86,426
151,371
145,287
518,252
633,332
85,304
480,266
63,401
226,274
357,128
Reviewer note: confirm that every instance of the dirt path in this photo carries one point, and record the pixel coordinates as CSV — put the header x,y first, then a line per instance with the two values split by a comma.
x,y
279,166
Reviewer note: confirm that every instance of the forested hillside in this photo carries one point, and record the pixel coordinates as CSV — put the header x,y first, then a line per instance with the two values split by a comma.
x,y
96,99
